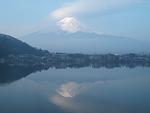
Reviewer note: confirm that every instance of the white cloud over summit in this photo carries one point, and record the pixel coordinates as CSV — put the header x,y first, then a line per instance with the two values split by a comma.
x,y
90,6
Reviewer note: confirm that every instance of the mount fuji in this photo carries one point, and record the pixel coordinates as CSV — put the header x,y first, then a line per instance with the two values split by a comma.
x,y
71,37
84,42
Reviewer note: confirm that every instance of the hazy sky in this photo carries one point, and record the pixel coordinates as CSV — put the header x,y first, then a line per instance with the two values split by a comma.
x,y
115,17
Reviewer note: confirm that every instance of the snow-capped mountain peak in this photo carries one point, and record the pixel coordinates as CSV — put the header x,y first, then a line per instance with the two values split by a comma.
x,y
69,24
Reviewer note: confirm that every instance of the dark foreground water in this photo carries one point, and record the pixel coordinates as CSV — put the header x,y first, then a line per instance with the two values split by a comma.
x,y
84,90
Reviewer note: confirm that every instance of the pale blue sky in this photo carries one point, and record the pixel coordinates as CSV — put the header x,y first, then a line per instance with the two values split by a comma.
x,y
115,17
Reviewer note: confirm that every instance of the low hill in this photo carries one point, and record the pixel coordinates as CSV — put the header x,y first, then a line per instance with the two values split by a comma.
x,y
12,46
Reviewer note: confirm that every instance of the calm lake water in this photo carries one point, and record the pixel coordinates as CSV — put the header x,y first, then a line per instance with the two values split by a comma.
x,y
83,90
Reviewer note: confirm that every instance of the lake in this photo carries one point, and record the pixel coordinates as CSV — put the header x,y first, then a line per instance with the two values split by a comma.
x,y
81,90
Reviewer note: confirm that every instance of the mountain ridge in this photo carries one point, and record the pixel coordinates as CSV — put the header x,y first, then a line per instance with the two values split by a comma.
x,y
85,42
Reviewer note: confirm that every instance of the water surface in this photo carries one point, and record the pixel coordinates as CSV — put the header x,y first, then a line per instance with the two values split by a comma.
x,y
83,90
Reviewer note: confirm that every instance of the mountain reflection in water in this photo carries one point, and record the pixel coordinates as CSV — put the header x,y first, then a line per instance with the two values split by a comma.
x,y
9,73
71,90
